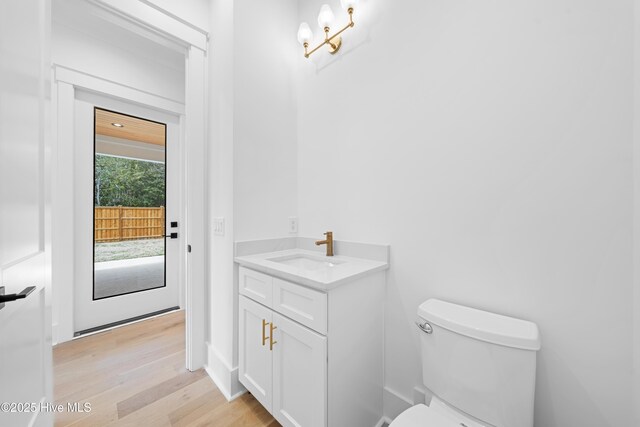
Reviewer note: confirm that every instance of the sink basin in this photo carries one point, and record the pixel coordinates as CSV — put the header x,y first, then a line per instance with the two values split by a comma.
x,y
306,262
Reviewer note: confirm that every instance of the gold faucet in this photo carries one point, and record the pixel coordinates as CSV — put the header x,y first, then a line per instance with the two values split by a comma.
x,y
328,242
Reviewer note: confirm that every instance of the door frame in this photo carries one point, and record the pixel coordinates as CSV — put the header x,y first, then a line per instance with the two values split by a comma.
x,y
163,27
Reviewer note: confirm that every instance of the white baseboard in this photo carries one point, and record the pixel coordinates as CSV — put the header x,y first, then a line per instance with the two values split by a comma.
x,y
383,421
420,395
224,376
60,333
394,404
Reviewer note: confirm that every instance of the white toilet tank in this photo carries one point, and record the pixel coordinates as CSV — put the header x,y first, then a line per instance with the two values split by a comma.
x,y
480,363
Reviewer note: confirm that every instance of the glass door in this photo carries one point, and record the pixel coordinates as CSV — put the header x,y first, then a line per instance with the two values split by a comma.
x,y
133,212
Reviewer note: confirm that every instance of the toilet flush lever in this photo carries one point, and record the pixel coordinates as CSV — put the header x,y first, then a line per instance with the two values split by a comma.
x,y
425,327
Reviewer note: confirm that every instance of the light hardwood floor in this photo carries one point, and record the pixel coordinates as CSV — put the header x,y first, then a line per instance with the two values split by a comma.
x,y
135,376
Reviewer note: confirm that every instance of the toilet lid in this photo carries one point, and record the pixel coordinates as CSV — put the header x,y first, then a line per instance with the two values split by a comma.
x,y
421,416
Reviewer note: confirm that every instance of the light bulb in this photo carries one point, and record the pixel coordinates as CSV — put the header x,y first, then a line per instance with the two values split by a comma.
x,y
304,33
349,4
325,18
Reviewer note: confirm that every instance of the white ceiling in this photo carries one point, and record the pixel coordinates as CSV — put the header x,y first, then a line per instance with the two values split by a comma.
x,y
129,149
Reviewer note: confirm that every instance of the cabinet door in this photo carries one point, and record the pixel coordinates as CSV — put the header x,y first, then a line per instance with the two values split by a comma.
x,y
255,364
299,375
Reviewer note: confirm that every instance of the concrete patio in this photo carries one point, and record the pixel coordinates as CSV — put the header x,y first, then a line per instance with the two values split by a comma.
x,y
128,275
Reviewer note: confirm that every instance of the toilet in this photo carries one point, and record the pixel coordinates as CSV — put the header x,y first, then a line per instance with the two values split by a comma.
x,y
480,367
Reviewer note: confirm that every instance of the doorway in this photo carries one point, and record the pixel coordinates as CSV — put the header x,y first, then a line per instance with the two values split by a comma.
x,y
128,213
143,57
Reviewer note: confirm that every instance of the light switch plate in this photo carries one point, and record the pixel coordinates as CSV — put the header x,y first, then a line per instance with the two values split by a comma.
x,y
218,226
293,224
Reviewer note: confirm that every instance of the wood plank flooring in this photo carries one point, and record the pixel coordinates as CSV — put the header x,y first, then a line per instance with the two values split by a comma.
x,y
135,376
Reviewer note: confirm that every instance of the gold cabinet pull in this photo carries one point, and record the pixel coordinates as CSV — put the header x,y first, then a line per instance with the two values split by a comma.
x,y
264,331
271,341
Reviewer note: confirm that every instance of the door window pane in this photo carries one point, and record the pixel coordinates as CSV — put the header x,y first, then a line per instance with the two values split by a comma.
x,y
129,204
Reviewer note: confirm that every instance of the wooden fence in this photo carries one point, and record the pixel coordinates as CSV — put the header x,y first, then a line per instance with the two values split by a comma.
x,y
117,223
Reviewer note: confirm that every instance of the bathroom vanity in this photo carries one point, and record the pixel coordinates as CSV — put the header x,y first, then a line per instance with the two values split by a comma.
x,y
311,336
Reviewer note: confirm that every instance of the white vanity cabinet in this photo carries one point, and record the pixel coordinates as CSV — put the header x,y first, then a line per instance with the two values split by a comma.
x,y
312,358
284,368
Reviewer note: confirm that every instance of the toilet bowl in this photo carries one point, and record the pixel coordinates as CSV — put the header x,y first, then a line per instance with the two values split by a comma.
x,y
422,416
437,414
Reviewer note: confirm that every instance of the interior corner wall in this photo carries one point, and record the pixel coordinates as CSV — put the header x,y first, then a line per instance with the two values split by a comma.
x,y
252,150
490,144
221,319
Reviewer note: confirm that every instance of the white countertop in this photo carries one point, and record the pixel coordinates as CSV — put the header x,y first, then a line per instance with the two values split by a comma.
x,y
343,270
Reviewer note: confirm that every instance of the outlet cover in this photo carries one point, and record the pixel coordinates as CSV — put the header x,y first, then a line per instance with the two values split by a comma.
x,y
293,224
218,226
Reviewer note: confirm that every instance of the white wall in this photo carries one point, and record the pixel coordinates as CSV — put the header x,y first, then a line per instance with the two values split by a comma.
x,y
252,150
490,144
87,43
264,130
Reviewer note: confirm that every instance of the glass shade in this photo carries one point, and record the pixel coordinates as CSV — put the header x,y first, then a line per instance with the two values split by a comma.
x,y
304,33
325,18
349,4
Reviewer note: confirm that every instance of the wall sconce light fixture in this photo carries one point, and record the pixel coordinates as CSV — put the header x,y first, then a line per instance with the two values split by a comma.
x,y
325,19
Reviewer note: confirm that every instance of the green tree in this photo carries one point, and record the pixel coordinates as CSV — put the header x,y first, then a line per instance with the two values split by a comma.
x,y
128,182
